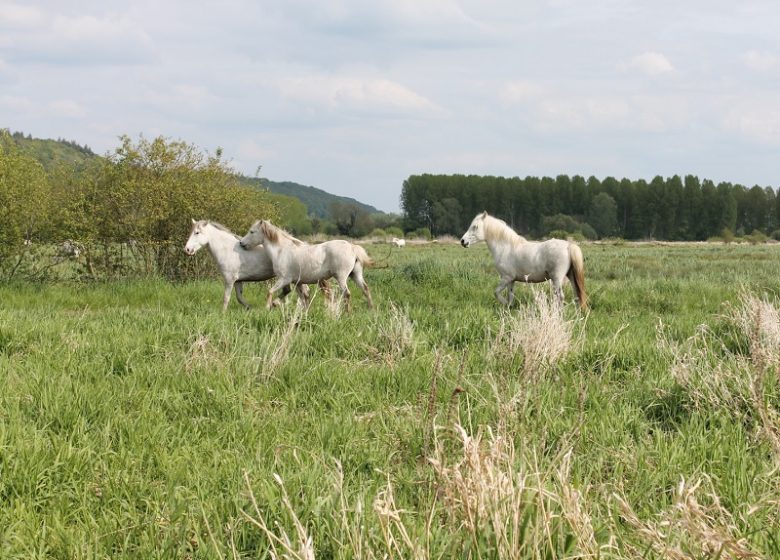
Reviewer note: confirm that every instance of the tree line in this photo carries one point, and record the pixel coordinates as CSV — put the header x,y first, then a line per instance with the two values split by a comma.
x,y
671,208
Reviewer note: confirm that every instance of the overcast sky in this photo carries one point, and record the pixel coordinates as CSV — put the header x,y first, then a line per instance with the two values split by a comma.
x,y
353,96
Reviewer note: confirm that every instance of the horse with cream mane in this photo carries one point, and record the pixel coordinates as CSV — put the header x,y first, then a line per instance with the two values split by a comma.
x,y
519,260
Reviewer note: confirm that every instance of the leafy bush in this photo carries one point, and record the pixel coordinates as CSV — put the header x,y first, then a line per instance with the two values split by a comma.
x,y
393,231
420,233
130,211
757,237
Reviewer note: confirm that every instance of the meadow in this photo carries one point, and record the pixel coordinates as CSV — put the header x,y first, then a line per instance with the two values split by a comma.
x,y
139,421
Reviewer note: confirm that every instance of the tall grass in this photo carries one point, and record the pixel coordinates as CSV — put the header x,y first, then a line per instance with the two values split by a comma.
x,y
137,420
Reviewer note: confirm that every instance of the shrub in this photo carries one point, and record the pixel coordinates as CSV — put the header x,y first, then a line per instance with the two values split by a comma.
x,y
393,231
588,231
421,233
757,237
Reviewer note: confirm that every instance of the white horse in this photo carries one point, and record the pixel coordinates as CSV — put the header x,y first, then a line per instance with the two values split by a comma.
x,y
296,262
399,242
528,261
236,264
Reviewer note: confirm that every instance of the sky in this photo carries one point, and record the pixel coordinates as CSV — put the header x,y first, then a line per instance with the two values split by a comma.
x,y
354,96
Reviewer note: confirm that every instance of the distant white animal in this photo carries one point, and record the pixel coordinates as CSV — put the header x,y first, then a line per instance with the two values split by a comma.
x,y
236,264
296,262
69,248
528,261
399,242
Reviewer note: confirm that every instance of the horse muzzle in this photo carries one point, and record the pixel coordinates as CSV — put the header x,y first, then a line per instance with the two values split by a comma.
x,y
464,243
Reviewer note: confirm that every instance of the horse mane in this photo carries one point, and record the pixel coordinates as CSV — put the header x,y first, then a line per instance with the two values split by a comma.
x,y
497,229
273,233
220,227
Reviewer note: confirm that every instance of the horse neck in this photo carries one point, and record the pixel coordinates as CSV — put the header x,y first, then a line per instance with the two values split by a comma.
x,y
507,238
220,244
274,248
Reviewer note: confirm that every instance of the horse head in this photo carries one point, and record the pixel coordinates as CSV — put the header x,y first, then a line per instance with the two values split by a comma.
x,y
198,237
476,231
256,235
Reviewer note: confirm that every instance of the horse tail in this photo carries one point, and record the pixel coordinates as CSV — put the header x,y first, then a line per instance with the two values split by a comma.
x,y
577,274
362,256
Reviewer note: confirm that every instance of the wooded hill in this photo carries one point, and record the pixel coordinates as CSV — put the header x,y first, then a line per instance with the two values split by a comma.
x,y
51,153
671,208
318,202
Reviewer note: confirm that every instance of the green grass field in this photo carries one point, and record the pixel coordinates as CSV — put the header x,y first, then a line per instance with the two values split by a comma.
x,y
138,421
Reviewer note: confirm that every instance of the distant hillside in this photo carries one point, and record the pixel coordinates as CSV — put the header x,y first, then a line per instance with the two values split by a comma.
x,y
316,200
53,152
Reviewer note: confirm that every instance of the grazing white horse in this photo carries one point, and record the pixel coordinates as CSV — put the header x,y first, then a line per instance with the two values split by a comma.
x,y
399,242
528,261
296,262
236,264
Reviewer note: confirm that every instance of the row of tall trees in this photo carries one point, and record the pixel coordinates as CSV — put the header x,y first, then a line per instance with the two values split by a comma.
x,y
672,208
131,210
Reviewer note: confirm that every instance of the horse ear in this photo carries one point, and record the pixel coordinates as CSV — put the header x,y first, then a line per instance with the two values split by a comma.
x,y
193,221
484,214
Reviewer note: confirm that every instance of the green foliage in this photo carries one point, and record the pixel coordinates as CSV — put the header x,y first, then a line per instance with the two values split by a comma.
x,y
394,232
292,213
318,202
666,208
562,226
130,211
602,215
378,233
420,233
559,222
351,219
25,203
756,237
53,153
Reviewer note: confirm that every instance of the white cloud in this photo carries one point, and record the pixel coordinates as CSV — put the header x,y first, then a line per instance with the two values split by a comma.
x,y
66,108
16,104
77,40
16,16
760,61
362,94
651,63
520,91
758,121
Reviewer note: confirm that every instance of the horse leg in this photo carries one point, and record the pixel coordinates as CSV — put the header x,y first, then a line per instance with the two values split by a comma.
x,y
285,291
226,295
503,285
557,284
325,289
357,276
303,295
280,283
345,295
239,286
510,290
